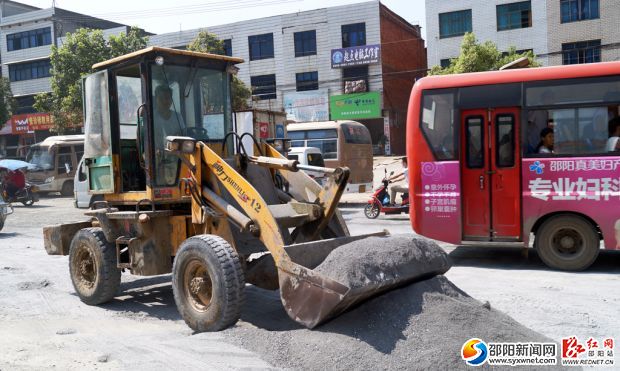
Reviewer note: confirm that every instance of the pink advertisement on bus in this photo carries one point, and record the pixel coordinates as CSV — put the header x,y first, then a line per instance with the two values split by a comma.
x,y
441,204
587,185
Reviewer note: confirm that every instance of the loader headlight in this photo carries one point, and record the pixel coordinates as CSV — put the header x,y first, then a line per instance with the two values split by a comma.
x,y
180,144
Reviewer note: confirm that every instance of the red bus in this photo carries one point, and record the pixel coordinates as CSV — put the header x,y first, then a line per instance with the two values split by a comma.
x,y
480,172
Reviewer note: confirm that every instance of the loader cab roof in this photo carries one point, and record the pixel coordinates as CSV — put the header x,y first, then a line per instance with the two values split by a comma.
x,y
176,55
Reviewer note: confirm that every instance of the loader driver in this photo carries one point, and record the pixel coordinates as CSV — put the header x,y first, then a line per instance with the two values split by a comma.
x,y
404,187
167,122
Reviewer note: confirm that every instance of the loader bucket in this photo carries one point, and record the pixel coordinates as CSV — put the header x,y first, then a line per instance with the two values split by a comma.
x,y
325,278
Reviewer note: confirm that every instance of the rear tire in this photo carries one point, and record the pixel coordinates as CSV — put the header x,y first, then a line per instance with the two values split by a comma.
x,y
208,283
29,201
567,243
92,265
67,188
372,210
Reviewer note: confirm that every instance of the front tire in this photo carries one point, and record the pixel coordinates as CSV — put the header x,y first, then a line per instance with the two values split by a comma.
x,y
67,188
92,265
567,243
208,283
372,210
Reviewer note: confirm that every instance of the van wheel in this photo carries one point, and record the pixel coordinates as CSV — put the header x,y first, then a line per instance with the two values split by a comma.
x,y
67,188
567,242
92,265
208,283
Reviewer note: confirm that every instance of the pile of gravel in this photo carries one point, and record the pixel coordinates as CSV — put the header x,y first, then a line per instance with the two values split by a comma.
x,y
377,260
420,326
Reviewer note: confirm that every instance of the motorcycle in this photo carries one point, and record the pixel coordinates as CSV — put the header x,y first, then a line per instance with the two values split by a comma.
x,y
380,201
27,195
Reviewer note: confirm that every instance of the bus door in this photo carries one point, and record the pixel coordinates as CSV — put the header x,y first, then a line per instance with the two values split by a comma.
x,y
490,171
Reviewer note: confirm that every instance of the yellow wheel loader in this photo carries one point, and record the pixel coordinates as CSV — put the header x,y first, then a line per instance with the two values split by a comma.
x,y
184,194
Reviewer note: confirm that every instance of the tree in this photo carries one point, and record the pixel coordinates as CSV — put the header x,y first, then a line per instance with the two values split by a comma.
x,y
476,57
71,62
207,42
7,102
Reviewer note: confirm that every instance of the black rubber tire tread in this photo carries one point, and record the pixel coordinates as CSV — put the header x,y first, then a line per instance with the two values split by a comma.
x,y
108,275
67,188
552,259
28,202
227,277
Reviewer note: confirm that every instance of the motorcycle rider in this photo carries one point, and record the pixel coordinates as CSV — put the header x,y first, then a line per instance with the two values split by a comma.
x,y
403,187
13,181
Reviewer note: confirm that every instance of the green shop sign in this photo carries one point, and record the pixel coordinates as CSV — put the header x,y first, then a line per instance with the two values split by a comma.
x,y
355,106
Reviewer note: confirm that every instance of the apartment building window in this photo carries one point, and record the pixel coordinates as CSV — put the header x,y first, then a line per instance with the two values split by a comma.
x,y
307,81
579,10
305,43
581,52
29,70
261,46
264,87
29,39
353,34
454,23
515,15
445,63
227,47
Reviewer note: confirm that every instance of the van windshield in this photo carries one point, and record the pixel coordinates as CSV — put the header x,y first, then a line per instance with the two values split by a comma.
x,y
42,157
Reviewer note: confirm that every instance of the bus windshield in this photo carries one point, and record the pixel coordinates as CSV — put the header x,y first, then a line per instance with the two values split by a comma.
x,y
325,140
41,157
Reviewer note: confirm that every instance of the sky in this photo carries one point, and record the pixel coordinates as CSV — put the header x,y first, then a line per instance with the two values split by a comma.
x,y
163,16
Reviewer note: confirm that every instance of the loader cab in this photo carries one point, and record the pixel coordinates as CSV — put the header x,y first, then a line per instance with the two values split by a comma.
x,y
133,102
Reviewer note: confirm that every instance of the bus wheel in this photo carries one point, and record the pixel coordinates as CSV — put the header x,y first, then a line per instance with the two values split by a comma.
x,y
371,210
567,242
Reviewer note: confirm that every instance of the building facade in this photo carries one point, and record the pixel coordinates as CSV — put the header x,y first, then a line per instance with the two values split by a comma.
x,y
583,31
557,31
26,37
306,62
507,23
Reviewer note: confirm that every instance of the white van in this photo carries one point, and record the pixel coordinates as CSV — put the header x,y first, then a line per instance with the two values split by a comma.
x,y
81,198
309,156
55,161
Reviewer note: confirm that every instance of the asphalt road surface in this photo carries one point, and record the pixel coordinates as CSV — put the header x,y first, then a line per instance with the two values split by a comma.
x,y
44,324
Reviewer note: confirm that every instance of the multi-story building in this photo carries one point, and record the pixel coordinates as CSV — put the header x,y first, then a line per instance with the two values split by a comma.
x,y
300,62
557,31
507,23
583,31
27,34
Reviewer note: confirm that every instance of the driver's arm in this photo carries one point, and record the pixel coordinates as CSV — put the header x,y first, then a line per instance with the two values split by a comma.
x,y
397,177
